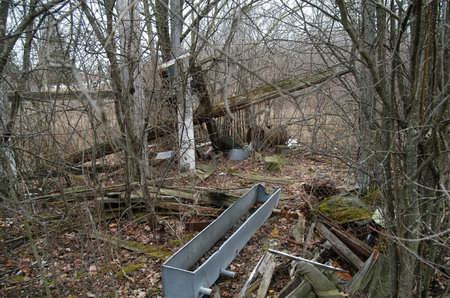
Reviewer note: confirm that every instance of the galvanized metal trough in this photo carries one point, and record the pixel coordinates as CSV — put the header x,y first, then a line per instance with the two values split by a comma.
x,y
177,278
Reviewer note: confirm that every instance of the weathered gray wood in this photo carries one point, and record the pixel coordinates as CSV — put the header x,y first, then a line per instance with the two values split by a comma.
x,y
298,230
339,247
357,246
362,278
309,237
251,277
267,276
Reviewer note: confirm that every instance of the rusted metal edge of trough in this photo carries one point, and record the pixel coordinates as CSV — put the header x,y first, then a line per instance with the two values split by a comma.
x,y
178,279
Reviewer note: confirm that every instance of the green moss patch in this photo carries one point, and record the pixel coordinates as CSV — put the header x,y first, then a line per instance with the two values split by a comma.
x,y
128,269
17,278
155,252
344,208
274,163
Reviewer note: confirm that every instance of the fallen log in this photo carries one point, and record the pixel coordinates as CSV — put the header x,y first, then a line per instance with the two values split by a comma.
x,y
201,196
76,192
119,205
236,103
114,145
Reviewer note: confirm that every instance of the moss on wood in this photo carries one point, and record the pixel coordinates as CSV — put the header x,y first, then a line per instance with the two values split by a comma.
x,y
155,252
129,268
260,178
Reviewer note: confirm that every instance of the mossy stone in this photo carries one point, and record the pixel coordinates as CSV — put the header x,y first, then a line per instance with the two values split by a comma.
x,y
345,208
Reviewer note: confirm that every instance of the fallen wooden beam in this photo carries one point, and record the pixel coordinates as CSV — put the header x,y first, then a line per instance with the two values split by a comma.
x,y
339,247
260,178
201,196
116,144
357,246
73,193
363,277
281,266
268,92
119,205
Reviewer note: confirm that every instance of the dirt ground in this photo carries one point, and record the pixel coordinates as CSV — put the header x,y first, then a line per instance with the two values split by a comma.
x,y
77,264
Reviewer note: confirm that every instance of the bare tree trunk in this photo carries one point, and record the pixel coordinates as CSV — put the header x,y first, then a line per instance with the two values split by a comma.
x,y
185,114
367,105
134,106
199,87
416,174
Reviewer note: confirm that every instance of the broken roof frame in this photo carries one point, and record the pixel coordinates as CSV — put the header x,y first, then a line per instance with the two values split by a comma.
x,y
179,281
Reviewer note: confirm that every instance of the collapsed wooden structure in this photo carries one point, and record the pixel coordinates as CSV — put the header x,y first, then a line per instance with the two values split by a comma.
x,y
212,115
207,112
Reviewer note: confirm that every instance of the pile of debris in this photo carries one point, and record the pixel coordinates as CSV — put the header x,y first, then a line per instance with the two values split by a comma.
x,y
340,254
342,265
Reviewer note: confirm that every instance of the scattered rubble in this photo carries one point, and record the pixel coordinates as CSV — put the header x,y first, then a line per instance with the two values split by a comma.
x,y
314,221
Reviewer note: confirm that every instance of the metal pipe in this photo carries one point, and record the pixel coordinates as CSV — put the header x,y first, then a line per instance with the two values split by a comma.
x,y
205,291
227,273
328,267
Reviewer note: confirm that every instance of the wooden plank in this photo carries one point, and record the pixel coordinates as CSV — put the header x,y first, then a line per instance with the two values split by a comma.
x,y
115,144
202,196
250,278
259,178
339,247
357,246
267,276
298,230
361,278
